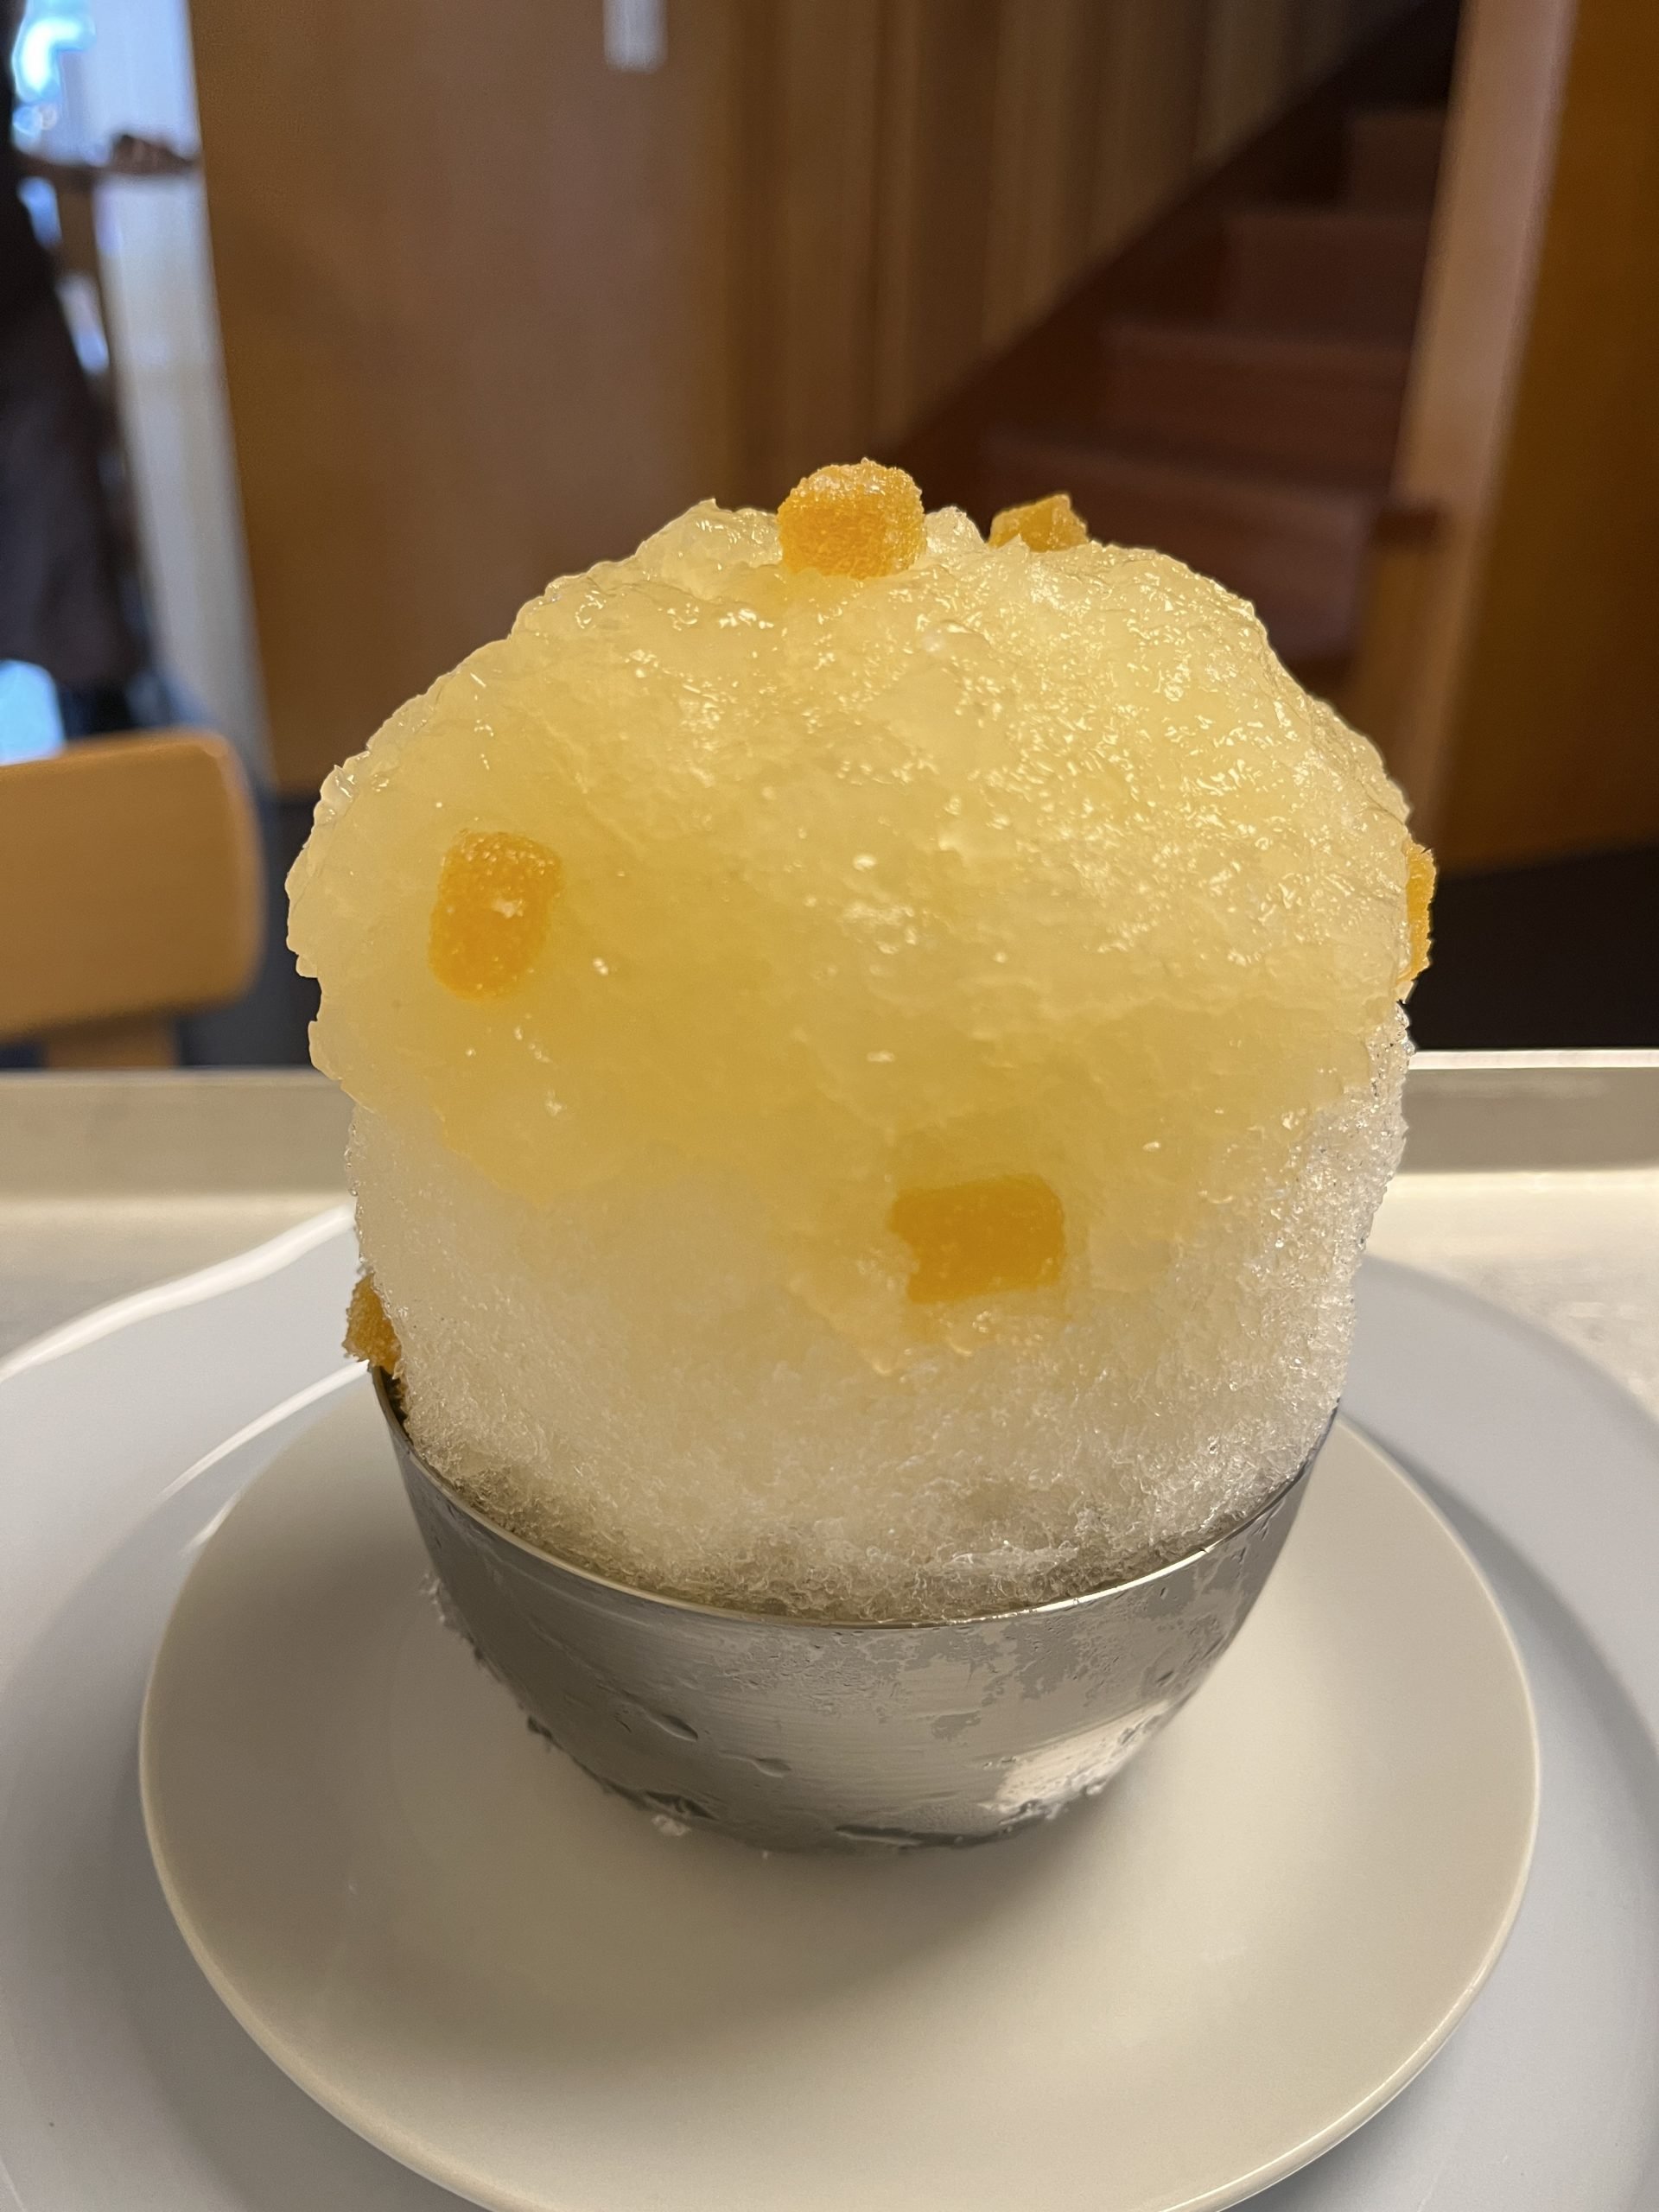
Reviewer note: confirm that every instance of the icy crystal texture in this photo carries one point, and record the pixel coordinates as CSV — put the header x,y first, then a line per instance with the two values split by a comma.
x,y
871,1086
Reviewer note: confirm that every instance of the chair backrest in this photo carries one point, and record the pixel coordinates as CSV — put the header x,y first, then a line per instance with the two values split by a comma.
x,y
131,890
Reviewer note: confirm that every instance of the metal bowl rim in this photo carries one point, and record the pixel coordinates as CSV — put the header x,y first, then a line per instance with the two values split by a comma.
x,y
821,1622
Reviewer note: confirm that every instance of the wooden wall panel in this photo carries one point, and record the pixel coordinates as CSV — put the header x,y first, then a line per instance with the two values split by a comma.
x,y
937,122
1322,31
1556,744
807,145
1151,83
1049,61
472,285
1249,66
492,310
1321,34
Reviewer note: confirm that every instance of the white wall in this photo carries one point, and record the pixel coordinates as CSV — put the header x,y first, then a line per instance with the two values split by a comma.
x,y
137,76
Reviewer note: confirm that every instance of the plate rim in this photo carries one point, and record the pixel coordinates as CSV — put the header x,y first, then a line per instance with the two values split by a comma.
x,y
448,2174
197,1287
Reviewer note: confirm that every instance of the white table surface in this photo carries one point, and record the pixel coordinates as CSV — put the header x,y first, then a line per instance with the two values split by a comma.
x,y
1534,1181
1530,1178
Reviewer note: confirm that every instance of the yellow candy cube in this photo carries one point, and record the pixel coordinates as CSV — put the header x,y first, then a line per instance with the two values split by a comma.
x,y
489,921
1420,897
972,1240
369,1333
1046,525
856,518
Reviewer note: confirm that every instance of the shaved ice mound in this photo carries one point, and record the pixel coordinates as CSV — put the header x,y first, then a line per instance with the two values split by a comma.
x,y
871,1086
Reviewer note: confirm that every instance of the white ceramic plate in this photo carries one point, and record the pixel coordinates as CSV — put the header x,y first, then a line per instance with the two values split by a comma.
x,y
124,2082
516,1985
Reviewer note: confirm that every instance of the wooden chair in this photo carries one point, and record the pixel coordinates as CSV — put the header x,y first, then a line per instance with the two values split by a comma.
x,y
131,891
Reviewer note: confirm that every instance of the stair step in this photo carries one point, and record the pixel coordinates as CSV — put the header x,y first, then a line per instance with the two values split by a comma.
x,y
1354,271
1259,398
1394,156
1297,552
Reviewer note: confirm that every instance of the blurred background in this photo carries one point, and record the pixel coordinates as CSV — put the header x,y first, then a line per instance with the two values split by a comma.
x,y
330,331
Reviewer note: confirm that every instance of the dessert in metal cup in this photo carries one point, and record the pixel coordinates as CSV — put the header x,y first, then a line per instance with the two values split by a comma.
x,y
875,1050
822,1735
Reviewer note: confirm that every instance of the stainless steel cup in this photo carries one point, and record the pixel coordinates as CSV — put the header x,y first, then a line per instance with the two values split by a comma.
x,y
802,1735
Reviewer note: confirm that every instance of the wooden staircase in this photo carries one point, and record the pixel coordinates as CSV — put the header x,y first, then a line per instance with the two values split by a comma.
x,y
1230,390
1256,442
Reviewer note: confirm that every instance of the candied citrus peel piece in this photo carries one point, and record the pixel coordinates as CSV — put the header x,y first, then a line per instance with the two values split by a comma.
x,y
855,518
969,1239
369,1333
1420,896
489,920
1046,525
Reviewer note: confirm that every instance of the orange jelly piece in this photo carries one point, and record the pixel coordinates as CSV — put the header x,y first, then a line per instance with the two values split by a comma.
x,y
856,518
369,1333
1006,1233
1046,525
489,921
1420,896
